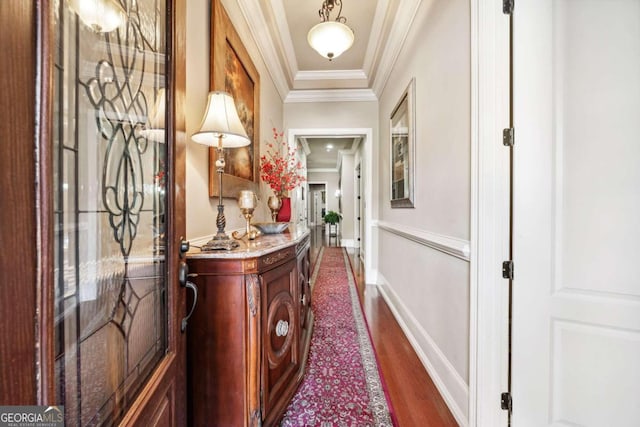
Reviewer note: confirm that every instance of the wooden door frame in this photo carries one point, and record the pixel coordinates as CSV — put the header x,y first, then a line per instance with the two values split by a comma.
x,y
19,137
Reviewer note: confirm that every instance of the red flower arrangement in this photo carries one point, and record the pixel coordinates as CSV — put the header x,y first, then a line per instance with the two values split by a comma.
x,y
279,167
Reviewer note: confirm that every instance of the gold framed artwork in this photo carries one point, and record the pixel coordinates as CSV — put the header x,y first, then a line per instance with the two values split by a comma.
x,y
402,143
232,71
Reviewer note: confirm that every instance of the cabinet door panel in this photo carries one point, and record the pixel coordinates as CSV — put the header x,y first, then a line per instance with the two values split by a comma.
x,y
304,287
280,323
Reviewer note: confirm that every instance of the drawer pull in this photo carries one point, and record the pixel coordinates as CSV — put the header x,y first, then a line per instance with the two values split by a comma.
x,y
282,328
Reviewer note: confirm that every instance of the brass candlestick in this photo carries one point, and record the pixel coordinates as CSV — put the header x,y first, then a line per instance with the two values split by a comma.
x,y
247,202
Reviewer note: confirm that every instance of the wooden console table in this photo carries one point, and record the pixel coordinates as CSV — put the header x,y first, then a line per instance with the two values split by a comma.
x,y
249,336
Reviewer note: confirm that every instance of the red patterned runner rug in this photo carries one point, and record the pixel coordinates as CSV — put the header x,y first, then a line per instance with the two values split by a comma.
x,y
342,384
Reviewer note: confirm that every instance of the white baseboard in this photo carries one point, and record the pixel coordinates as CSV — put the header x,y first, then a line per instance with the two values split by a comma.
x,y
450,384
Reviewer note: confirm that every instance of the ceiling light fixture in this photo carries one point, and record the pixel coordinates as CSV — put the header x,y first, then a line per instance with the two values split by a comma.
x,y
102,16
330,38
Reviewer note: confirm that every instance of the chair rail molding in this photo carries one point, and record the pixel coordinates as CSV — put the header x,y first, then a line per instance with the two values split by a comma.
x,y
453,246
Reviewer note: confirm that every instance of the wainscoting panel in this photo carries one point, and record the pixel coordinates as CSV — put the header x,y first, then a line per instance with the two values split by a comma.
x,y
424,278
451,385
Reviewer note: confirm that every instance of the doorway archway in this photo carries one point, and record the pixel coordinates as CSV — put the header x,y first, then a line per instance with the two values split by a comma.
x,y
366,172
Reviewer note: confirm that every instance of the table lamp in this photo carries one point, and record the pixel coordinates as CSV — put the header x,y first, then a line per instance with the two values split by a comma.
x,y
221,128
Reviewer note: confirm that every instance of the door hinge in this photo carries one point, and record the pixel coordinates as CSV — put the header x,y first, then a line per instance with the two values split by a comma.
x,y
508,137
507,6
507,270
506,403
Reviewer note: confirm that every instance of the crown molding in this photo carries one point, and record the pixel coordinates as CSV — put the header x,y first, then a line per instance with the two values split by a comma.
x,y
332,95
331,75
405,15
282,27
305,145
355,144
252,13
374,45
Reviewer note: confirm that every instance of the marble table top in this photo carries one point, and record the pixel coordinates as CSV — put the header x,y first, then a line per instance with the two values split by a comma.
x,y
262,245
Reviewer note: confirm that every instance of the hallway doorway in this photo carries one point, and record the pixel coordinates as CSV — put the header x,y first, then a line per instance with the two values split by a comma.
x,y
361,153
317,203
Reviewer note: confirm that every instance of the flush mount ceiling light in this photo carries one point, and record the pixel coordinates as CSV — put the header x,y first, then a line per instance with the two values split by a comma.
x,y
330,38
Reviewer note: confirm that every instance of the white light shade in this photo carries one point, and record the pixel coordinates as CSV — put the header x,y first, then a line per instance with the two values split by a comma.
x,y
154,129
102,16
221,119
330,39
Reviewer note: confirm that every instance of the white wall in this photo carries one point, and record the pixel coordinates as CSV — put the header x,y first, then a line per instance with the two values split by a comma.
x,y
201,210
429,288
299,115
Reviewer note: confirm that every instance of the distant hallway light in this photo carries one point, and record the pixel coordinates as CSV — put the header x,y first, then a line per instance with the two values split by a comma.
x,y
330,38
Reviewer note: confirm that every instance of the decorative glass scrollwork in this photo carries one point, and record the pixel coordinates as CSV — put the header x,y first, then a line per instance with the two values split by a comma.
x,y
121,106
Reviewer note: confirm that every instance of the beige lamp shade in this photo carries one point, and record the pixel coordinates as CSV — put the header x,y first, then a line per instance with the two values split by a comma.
x,y
330,39
102,16
154,129
221,119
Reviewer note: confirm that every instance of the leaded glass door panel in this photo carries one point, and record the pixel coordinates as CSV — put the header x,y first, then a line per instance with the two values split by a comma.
x,y
118,355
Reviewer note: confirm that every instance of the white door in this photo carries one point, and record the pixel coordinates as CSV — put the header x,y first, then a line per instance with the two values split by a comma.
x,y
576,297
317,219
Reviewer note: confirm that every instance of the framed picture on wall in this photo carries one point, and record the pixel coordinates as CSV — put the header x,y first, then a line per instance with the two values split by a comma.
x,y
402,145
233,71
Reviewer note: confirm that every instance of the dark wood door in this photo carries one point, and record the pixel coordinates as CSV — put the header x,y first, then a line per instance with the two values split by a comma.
x,y
92,223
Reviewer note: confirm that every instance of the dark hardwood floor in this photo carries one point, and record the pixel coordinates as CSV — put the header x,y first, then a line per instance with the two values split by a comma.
x,y
414,397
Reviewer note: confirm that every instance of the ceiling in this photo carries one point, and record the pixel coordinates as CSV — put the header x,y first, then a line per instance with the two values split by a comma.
x,y
323,153
300,74
280,27
304,68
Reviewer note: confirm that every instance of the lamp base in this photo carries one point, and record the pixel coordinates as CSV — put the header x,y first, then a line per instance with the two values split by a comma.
x,y
220,245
